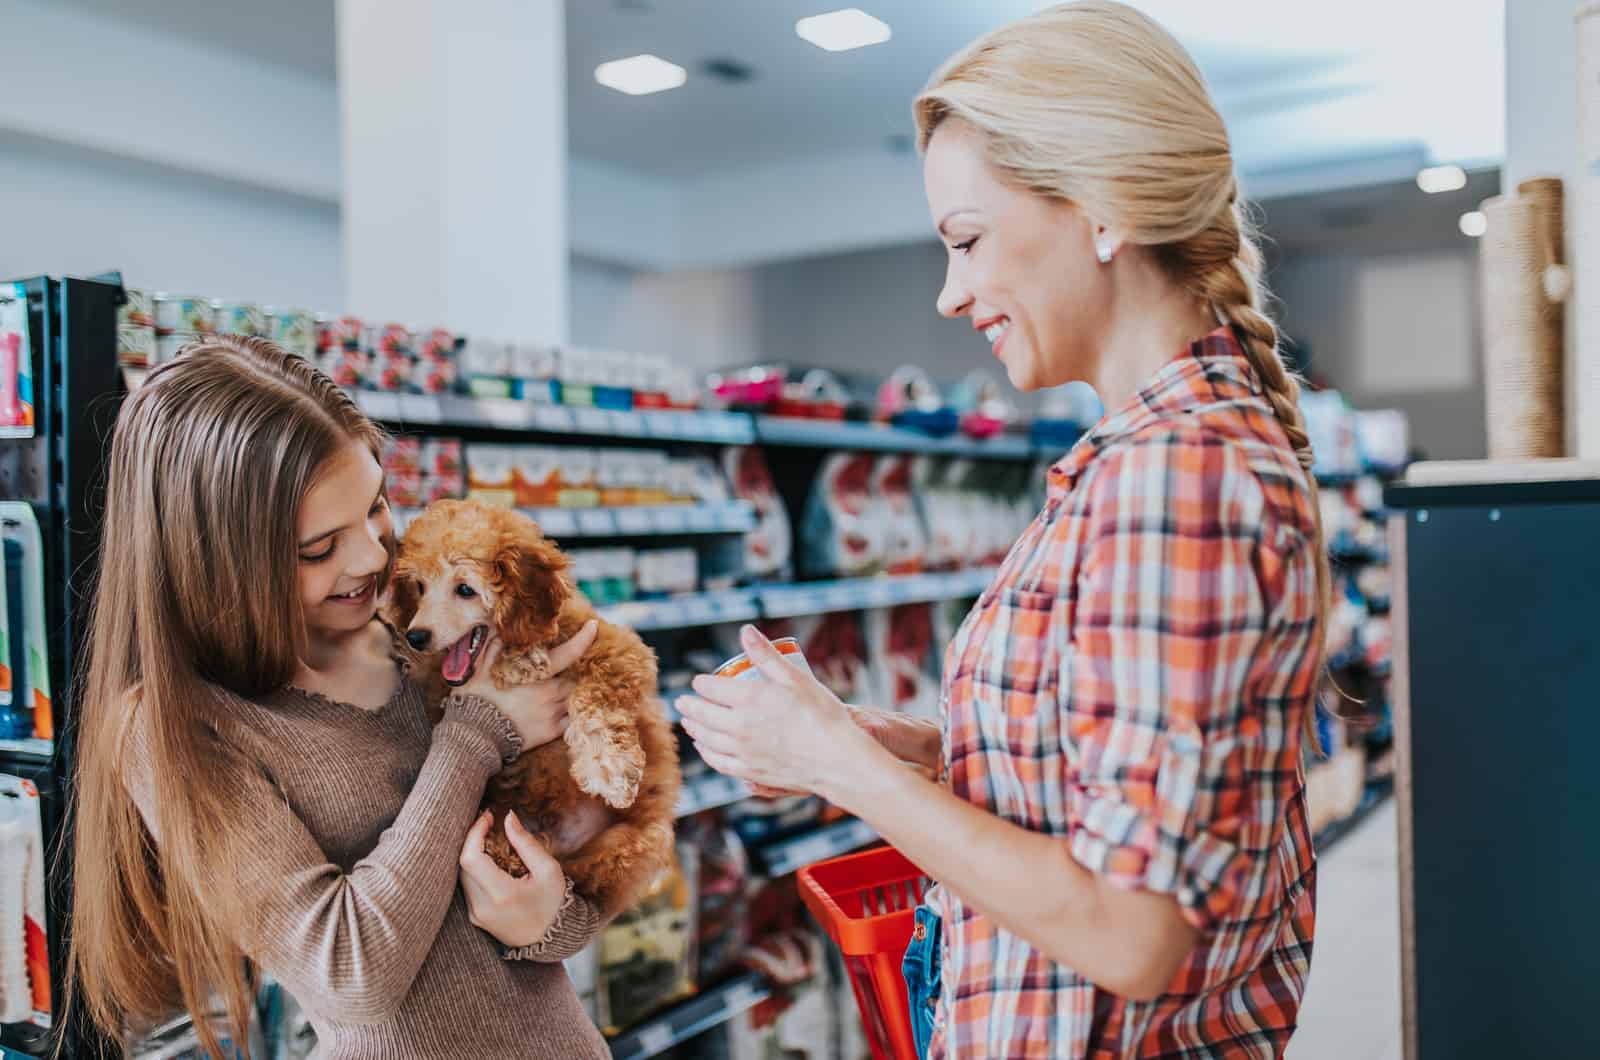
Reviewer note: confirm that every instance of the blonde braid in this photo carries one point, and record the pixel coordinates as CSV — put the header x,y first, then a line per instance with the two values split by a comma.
x,y
1224,262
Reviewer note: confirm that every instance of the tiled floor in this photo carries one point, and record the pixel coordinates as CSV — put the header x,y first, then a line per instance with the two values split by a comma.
x,y
1352,1005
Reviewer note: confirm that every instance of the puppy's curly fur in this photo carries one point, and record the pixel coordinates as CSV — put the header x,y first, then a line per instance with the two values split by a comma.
x,y
464,564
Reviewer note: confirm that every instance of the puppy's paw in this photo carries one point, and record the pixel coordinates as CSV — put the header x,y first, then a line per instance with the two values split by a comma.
x,y
601,767
522,668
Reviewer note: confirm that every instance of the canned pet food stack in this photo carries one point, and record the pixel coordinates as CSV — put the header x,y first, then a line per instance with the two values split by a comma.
x,y
136,330
180,320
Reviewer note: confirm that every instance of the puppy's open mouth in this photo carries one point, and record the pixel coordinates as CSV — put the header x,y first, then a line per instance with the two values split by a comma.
x,y
462,658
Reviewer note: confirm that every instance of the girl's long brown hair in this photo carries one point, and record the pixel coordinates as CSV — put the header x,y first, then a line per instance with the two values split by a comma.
x,y
196,597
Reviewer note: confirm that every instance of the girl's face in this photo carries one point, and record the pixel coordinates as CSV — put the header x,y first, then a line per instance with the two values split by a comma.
x,y
344,532
1022,265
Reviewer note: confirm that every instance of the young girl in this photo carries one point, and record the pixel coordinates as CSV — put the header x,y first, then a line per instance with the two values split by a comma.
x,y
259,788
1122,847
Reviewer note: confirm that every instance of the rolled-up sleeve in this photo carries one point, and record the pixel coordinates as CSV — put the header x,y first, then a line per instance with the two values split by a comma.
x,y
1169,622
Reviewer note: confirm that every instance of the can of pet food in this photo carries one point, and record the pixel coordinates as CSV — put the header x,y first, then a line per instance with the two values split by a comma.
x,y
183,313
136,330
293,329
169,343
239,318
740,665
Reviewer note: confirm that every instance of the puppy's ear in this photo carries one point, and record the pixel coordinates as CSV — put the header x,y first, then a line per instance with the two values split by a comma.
x,y
531,581
403,601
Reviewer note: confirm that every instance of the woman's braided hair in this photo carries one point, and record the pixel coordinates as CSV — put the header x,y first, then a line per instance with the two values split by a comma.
x,y
1093,102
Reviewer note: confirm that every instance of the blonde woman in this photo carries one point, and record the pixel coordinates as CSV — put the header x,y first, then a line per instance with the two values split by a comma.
x,y
1120,837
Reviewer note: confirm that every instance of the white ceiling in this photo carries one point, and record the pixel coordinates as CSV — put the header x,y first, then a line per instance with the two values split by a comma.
x,y
1302,82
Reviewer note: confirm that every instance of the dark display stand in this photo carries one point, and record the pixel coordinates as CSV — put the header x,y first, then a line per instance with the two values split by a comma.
x,y
61,472
1497,650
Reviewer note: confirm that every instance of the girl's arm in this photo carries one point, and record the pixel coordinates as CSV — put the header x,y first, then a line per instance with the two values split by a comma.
x,y
348,944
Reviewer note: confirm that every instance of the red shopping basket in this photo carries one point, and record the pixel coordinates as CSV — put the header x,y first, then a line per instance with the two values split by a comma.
x,y
867,904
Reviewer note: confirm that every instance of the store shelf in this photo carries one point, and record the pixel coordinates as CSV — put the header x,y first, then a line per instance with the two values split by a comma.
x,y
40,749
835,434
730,517
709,792
790,855
458,410
684,612
699,1014
852,594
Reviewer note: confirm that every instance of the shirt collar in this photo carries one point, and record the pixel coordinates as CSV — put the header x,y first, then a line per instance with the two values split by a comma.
x,y
1184,384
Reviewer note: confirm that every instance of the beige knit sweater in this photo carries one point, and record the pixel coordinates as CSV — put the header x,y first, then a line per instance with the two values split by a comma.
x,y
350,869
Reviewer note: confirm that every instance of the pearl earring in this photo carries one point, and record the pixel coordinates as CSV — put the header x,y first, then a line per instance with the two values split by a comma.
x,y
1103,251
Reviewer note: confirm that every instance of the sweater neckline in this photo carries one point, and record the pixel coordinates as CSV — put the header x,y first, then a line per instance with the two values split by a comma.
x,y
402,666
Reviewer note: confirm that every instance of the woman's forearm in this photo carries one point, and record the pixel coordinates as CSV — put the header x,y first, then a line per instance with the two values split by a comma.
x,y
1130,943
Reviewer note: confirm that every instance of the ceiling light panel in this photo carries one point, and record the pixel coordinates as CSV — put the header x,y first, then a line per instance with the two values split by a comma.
x,y
1435,179
1474,224
840,31
640,75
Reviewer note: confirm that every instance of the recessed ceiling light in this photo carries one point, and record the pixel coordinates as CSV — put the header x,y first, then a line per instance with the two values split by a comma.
x,y
839,31
1474,224
1435,179
640,75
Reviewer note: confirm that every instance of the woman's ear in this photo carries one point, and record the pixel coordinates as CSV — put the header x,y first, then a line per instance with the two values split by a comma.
x,y
530,577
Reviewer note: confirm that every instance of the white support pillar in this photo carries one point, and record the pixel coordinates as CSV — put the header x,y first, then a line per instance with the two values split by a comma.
x,y
453,123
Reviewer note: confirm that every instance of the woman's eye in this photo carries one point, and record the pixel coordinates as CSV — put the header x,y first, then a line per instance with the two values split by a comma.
x,y
319,557
377,506
466,592
966,247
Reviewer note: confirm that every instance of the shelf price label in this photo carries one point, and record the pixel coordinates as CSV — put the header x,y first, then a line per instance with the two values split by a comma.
x,y
552,418
655,1039
420,408
670,520
593,421
556,522
634,520
702,519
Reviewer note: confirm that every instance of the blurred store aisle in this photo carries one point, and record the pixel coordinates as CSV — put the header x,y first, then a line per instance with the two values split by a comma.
x,y
1352,1006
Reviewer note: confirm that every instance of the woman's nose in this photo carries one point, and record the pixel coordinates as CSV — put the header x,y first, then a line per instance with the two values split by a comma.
x,y
954,299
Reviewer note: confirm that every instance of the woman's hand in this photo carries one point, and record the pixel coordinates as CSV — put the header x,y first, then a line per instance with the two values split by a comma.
x,y
782,731
518,911
537,710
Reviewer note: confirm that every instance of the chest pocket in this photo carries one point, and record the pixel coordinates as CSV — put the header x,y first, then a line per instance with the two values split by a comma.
x,y
1017,703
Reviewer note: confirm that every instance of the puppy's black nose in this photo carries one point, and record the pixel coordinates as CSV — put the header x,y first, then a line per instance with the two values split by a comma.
x,y
419,638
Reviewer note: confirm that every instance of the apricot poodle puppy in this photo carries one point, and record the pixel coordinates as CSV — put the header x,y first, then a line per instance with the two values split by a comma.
x,y
466,570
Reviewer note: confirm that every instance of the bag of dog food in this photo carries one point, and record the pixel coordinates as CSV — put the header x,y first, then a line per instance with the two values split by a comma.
x,y
491,474
768,549
906,540
899,652
845,527
646,955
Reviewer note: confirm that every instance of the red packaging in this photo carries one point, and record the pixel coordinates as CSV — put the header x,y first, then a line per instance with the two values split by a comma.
x,y
434,377
405,489
402,456
443,489
347,333
393,341
437,345
392,373
442,456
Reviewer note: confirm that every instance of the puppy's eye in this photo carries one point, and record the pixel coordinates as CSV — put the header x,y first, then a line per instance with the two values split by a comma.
x,y
422,588
466,592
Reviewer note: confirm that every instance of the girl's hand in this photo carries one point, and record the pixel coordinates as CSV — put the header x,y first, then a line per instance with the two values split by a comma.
x,y
517,911
538,710
780,732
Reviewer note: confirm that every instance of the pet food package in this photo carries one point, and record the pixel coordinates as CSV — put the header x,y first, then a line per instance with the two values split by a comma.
x,y
905,546
537,476
491,474
580,486
20,530
136,329
721,905
293,329
646,955
835,650
797,1022
769,548
239,318
443,467
666,571
900,649
16,362
484,366
764,820
24,954
699,480
844,528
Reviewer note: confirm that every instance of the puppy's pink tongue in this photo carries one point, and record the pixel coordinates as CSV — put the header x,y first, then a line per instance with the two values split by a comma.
x,y
457,663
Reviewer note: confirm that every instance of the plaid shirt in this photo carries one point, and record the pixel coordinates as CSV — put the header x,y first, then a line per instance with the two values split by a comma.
x,y
1135,681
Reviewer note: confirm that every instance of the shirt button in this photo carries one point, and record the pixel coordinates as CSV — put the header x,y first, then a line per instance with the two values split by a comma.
x,y
1186,895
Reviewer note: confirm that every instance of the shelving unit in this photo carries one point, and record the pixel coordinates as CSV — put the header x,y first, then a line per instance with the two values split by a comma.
x,y
732,517
853,594
506,414
709,793
684,612
687,1019
835,434
786,856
